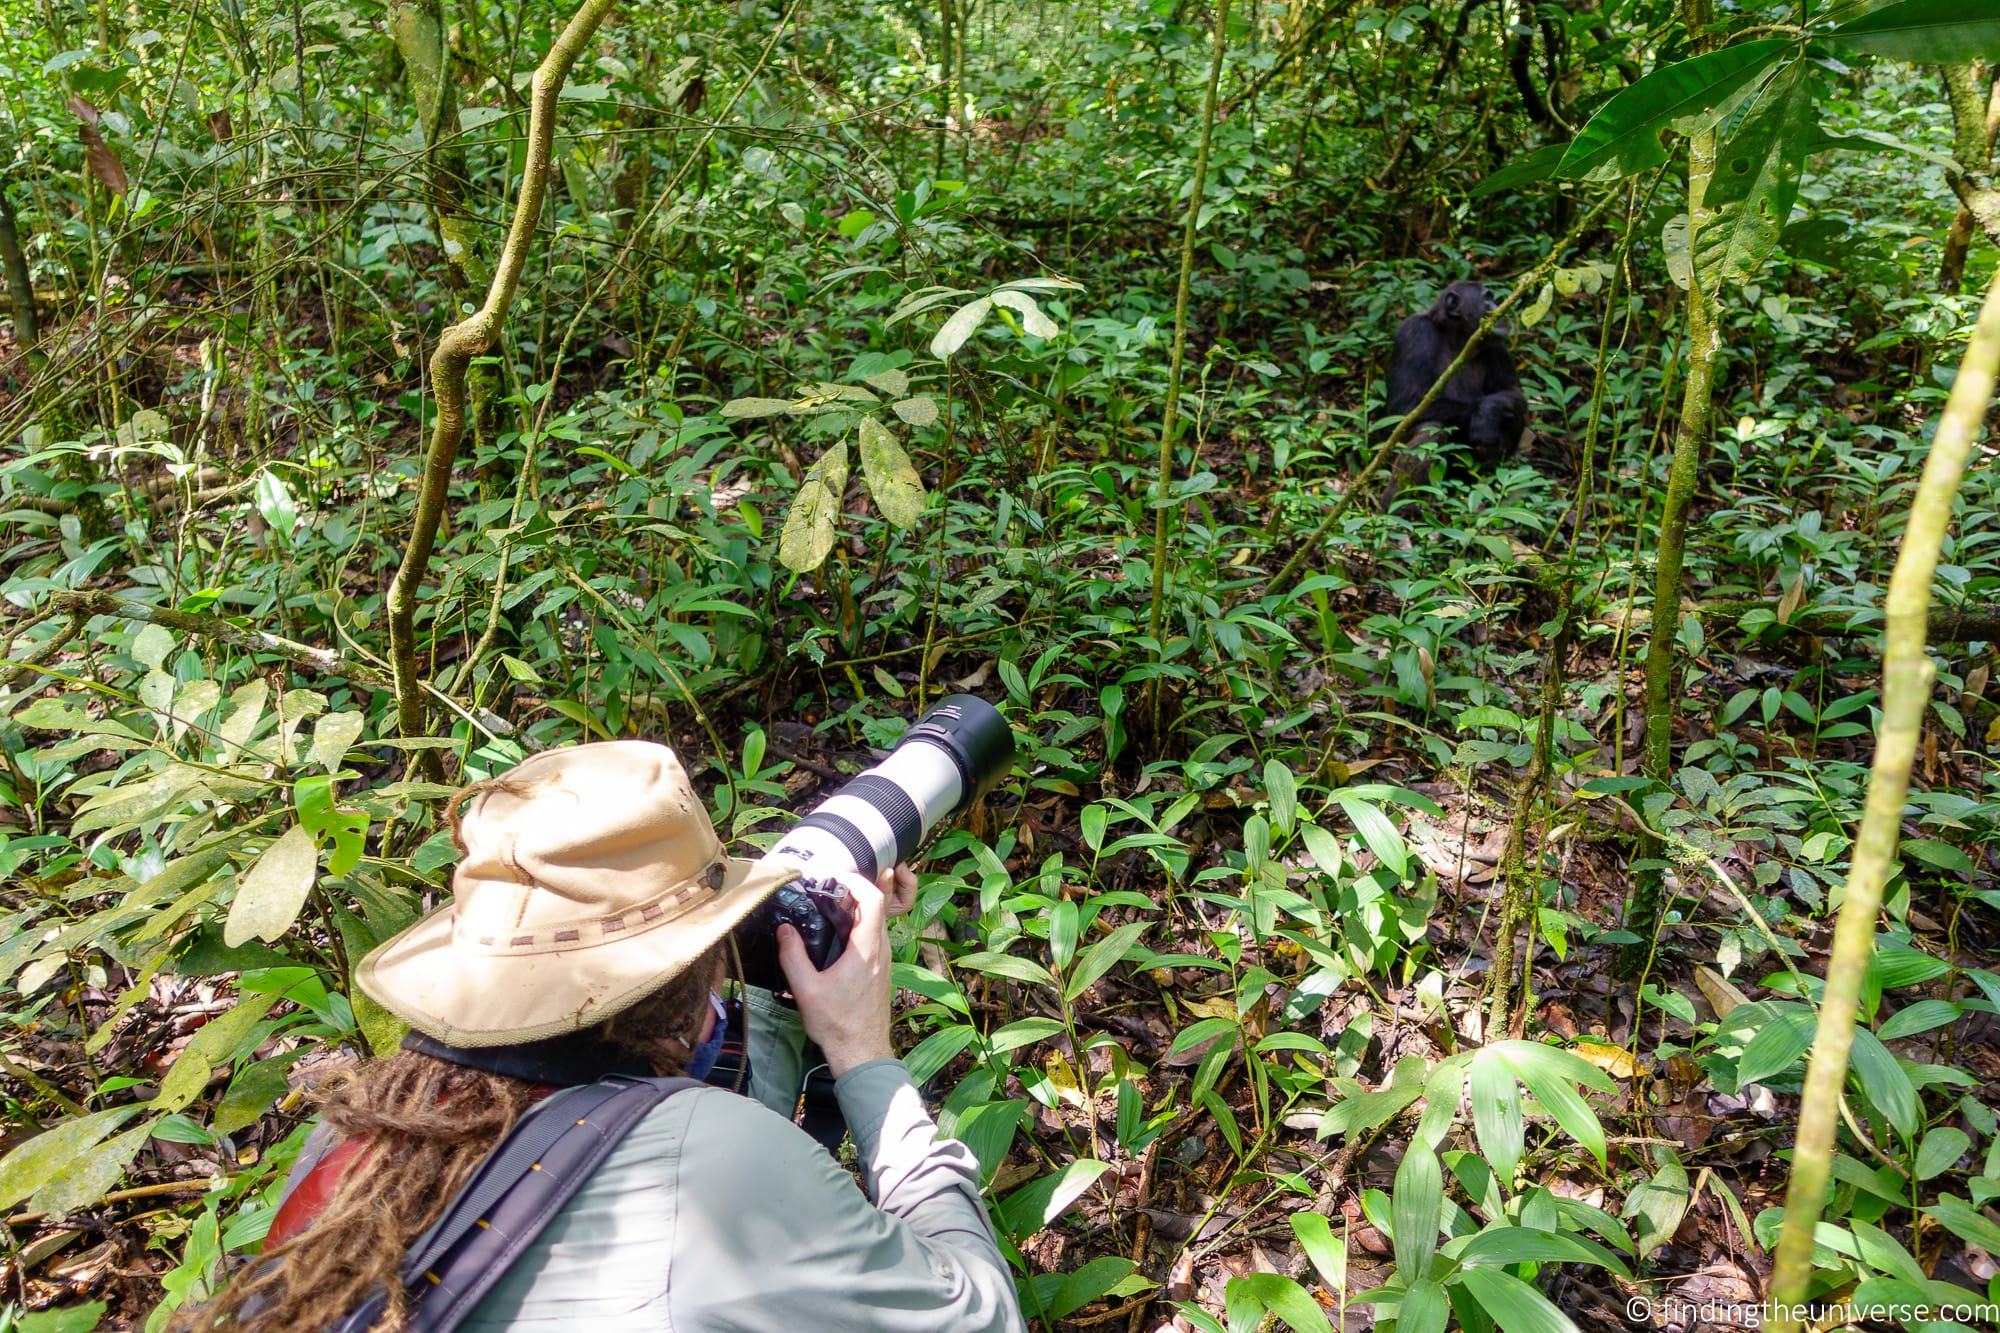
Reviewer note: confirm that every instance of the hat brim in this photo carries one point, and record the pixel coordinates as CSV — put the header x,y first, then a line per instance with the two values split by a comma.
x,y
475,1000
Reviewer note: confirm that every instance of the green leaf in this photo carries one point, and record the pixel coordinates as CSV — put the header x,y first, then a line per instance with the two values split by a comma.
x,y
1035,1205
921,410
269,897
1925,32
1514,1305
743,409
251,1093
936,1051
1416,1210
1548,1073
1940,1151
1032,318
333,735
892,479
1963,1220
1102,956
1006,965
1283,791
1021,1032
91,1175
1496,1113
1327,1252
1538,165
1880,1077
1756,179
42,1158
1623,138
1424,1308
218,1042
959,327
1922,1016
808,533
63,1319
1281,1296
1505,1246
1776,1045
1377,832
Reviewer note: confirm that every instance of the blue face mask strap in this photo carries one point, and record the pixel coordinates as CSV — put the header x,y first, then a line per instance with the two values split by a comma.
x,y
706,1054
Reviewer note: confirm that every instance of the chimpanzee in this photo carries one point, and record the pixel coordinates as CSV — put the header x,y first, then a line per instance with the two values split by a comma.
x,y
1483,402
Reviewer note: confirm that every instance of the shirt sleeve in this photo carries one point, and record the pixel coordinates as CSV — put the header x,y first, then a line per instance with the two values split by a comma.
x,y
782,1238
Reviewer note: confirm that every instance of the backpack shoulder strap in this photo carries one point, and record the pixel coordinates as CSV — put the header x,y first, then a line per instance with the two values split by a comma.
x,y
515,1193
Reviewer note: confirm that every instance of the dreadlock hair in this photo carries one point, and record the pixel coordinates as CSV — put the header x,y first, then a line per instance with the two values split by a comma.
x,y
425,1125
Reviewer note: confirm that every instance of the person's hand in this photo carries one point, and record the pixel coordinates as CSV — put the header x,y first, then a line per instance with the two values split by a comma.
x,y
899,887
846,1008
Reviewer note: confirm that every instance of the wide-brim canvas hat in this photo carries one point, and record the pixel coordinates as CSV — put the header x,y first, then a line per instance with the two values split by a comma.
x,y
591,877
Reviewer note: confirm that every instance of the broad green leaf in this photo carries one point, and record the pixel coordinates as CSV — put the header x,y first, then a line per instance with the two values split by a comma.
x,y
890,381
1035,1205
1022,1032
1102,956
1776,1045
218,1042
1416,1210
919,411
1032,318
269,897
250,1094
277,505
1963,1220
1922,1016
1496,1113
1006,965
938,1050
151,645
1925,32
959,327
1535,166
1505,1246
1548,1073
1623,138
246,711
892,479
1327,1251
89,1176
808,533
333,735
1940,1151
39,1160
1377,832
1281,1296
1283,791
1513,1304
743,409
1109,1275
1424,1308
1756,179
1880,1077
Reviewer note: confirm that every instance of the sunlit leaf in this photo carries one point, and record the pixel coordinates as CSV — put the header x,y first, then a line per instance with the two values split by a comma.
x,y
269,897
808,533
892,478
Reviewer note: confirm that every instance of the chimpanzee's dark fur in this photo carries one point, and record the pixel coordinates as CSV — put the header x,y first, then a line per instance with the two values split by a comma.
x,y
1483,403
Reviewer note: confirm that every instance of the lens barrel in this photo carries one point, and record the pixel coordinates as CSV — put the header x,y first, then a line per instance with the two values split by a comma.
x,y
954,754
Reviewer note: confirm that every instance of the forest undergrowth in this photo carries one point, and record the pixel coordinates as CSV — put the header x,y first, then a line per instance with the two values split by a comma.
x,y
1413,905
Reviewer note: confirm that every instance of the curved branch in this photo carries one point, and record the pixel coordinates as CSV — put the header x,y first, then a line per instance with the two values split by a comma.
x,y
472,337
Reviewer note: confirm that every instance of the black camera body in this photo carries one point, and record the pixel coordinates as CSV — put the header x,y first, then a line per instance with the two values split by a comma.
x,y
821,912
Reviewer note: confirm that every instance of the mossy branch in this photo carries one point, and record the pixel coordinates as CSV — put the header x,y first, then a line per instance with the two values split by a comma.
x,y
472,337
1907,675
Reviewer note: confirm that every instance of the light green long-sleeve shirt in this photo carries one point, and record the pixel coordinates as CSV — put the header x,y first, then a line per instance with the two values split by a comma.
x,y
715,1213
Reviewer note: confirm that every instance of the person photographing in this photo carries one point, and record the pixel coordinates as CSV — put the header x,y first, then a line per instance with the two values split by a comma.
x,y
578,969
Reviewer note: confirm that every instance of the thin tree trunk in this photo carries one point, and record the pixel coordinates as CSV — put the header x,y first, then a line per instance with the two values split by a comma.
x,y
1907,674
20,288
1690,436
1170,417
471,337
418,27
1962,87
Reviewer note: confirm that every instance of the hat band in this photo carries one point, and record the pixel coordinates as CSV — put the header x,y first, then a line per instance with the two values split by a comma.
x,y
668,907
